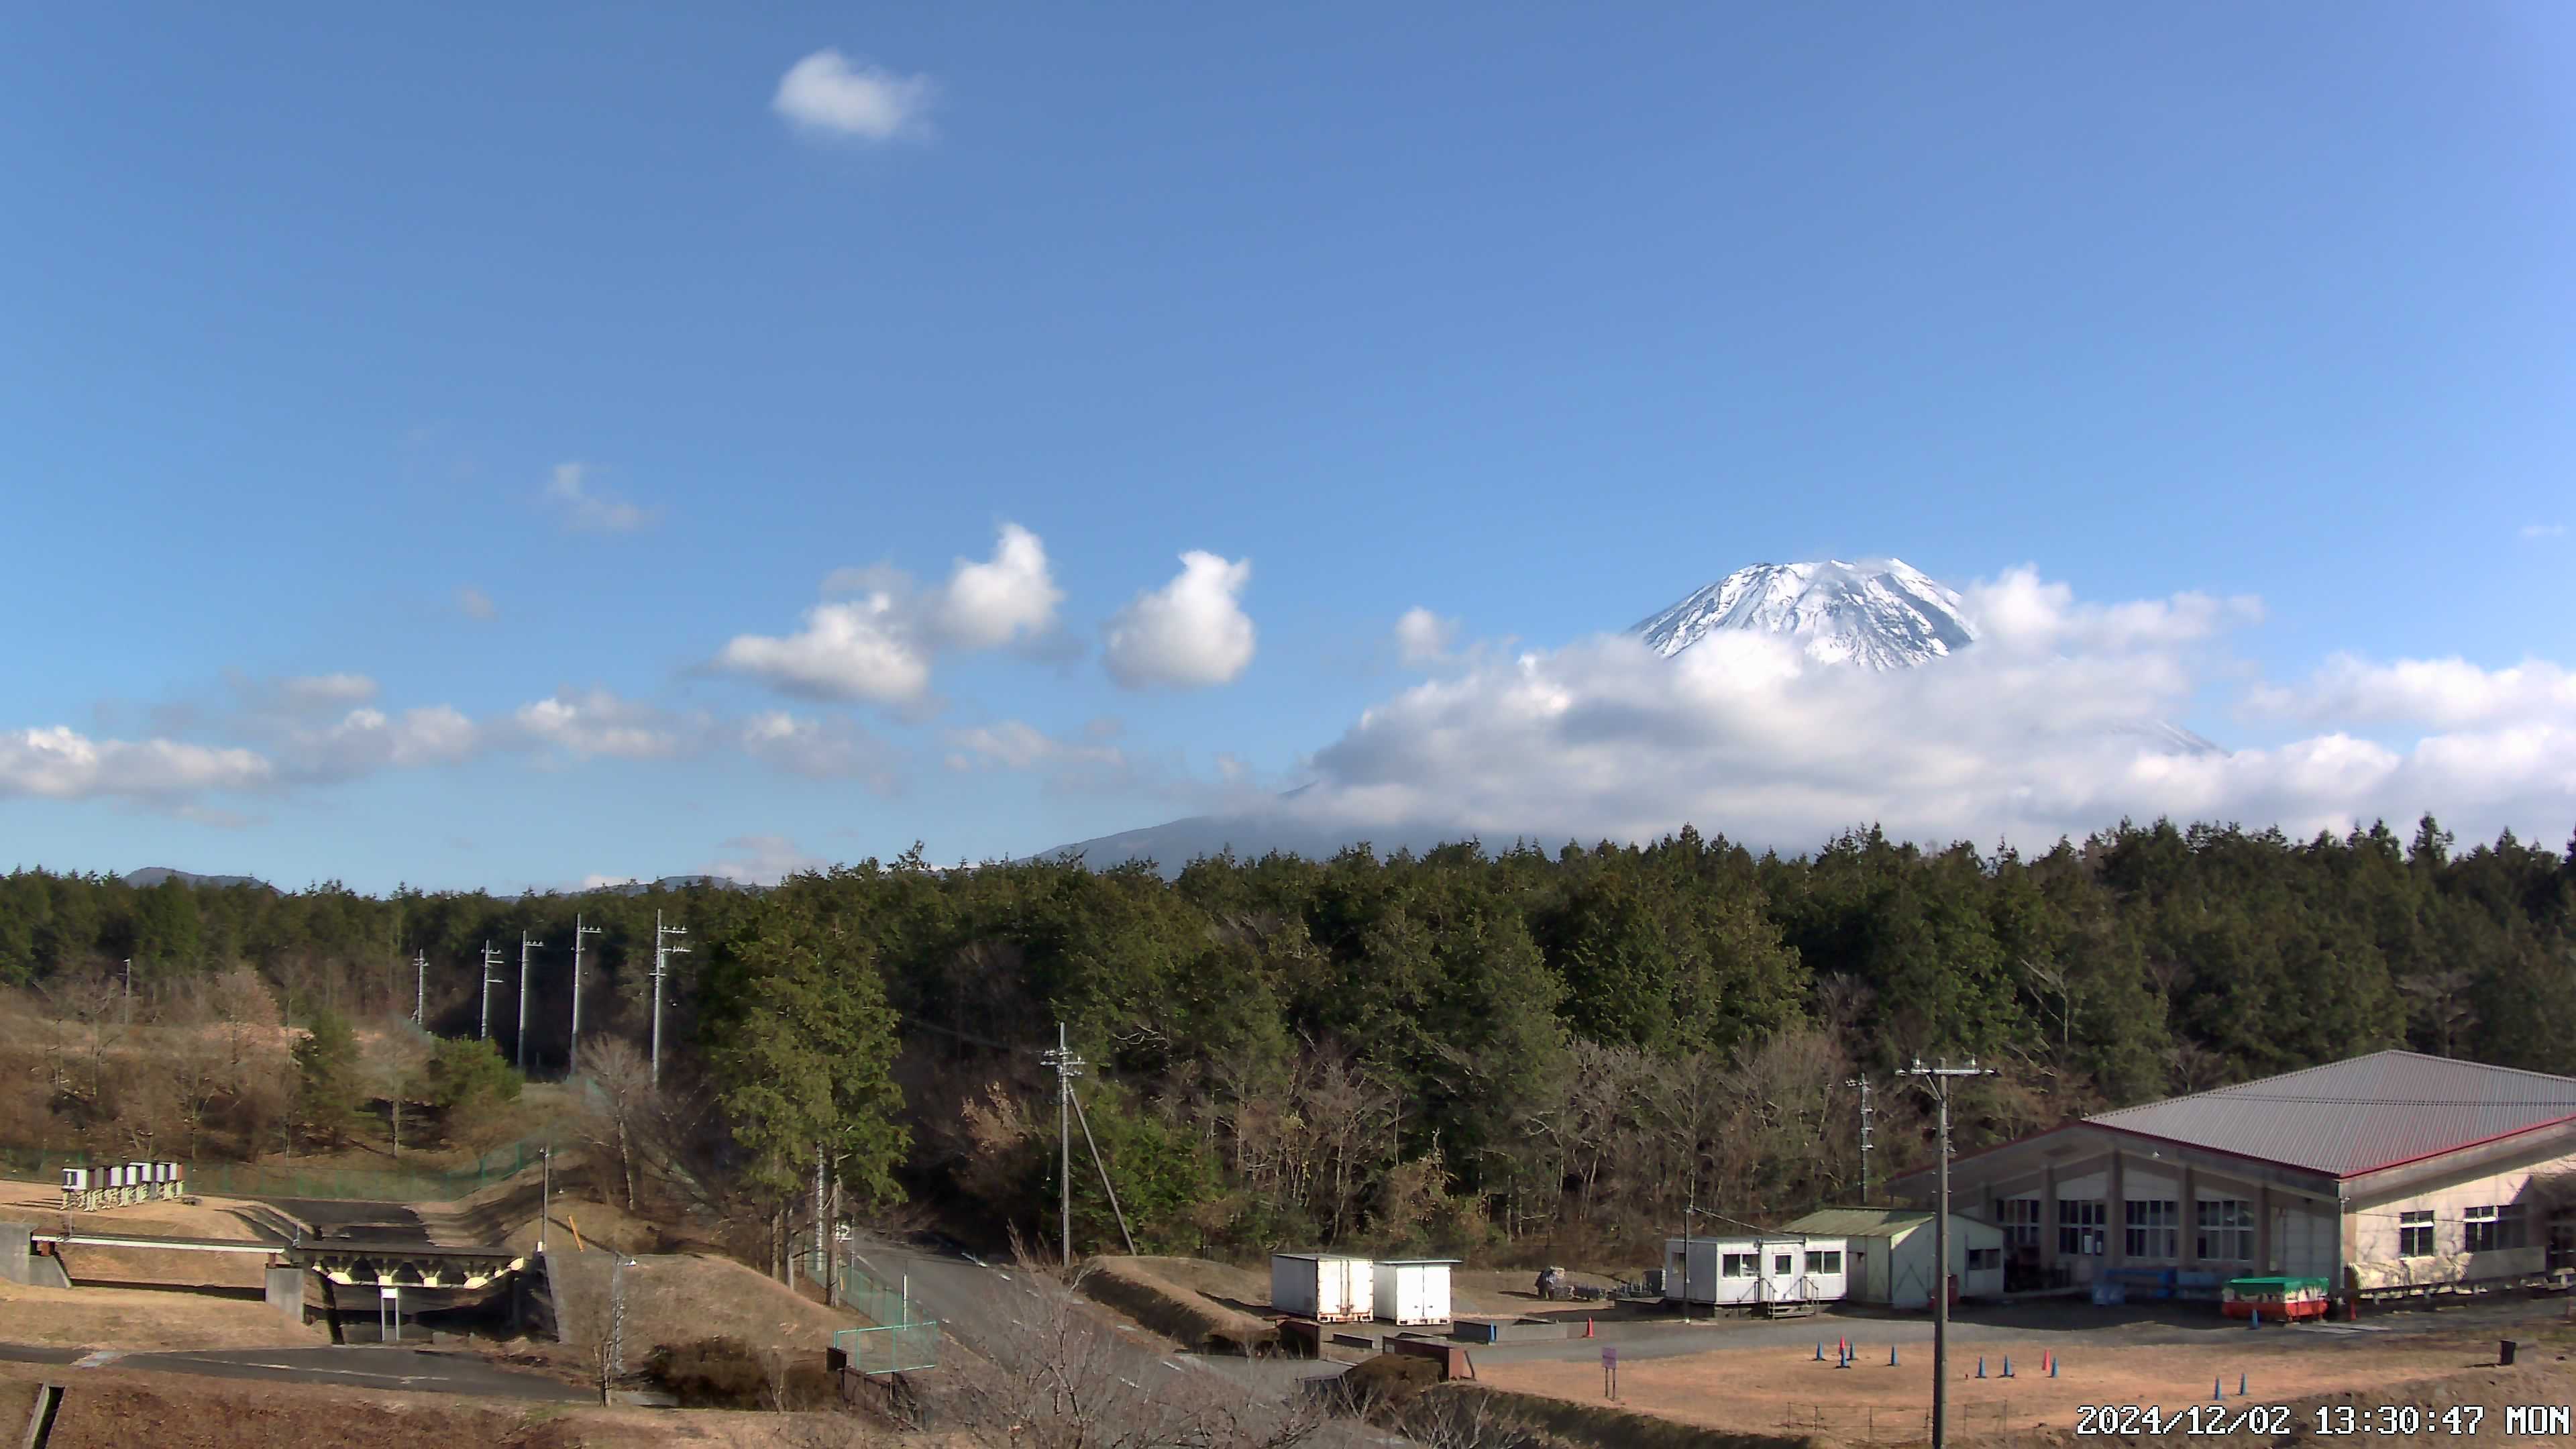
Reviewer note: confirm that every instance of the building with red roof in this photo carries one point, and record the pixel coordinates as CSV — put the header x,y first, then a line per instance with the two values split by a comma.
x,y
2382,1172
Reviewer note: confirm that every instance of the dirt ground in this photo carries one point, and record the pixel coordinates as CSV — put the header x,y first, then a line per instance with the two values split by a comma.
x,y
1784,1390
139,1318
113,1409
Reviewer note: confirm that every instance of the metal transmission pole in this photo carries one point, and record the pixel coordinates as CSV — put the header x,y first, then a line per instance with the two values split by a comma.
x,y
1067,1067
491,958
420,988
525,946
1862,1082
572,1051
1938,1079
661,967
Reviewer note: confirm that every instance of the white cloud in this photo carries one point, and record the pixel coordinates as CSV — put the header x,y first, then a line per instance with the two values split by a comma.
x,y
825,94
597,722
476,604
62,764
861,649
824,749
1189,633
761,860
1423,637
589,510
366,740
2544,530
2046,727
1018,745
879,647
1012,596
323,690
2442,693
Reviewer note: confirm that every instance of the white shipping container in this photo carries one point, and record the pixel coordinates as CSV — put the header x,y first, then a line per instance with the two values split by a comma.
x,y
1412,1290
1321,1286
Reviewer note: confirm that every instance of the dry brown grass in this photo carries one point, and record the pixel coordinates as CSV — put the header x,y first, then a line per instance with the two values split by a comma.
x,y
1139,1288
41,1206
141,1318
684,1298
118,1409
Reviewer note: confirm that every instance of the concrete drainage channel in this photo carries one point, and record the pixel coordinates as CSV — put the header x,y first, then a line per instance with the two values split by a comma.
x,y
40,1418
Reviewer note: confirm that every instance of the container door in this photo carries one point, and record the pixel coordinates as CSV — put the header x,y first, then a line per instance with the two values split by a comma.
x,y
1780,1273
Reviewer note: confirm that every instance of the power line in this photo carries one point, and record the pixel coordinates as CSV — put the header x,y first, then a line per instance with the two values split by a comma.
x,y
662,952
491,958
572,1048
1067,1067
525,946
1938,1078
1862,1082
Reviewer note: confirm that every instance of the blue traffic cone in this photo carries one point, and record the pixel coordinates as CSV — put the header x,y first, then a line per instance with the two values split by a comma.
x,y
1981,1365
1891,1355
1820,1350
2052,1365
2240,1386
2007,1365
2255,1319
2214,1394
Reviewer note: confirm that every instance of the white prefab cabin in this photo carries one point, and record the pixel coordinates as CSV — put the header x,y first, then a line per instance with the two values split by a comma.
x,y
1755,1271
1412,1290
1325,1287
1891,1252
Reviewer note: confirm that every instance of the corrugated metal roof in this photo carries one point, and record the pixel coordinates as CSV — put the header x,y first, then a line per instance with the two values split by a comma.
x,y
1875,1223
1857,1222
2358,1115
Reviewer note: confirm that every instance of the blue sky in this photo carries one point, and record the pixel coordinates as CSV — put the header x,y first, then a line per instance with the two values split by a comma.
x,y
496,357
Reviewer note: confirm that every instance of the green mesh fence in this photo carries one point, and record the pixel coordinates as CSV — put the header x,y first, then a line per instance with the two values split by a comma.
x,y
896,1340
893,1348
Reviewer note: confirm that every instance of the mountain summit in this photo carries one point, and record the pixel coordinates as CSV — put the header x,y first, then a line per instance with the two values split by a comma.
x,y
1881,614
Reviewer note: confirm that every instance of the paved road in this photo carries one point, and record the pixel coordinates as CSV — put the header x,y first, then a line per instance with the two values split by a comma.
x,y
365,1368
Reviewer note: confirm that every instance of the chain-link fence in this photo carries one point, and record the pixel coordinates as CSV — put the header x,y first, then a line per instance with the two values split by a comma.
x,y
255,1179
891,1348
897,1339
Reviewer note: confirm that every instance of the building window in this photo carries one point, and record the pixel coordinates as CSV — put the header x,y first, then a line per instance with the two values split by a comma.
x,y
2079,1227
2227,1231
2415,1235
2020,1222
1983,1259
1783,1264
2491,1229
1736,1265
2155,1230
1824,1261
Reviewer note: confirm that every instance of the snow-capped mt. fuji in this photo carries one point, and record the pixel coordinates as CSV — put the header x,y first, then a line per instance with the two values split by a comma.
x,y
1881,613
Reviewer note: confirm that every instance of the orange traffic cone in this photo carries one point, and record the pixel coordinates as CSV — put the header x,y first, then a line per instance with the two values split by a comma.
x,y
1587,1328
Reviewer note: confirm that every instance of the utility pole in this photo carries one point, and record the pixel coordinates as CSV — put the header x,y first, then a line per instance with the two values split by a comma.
x,y
1067,1067
491,959
661,967
1862,1082
1938,1079
525,946
129,991
572,1052
420,988
545,1193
